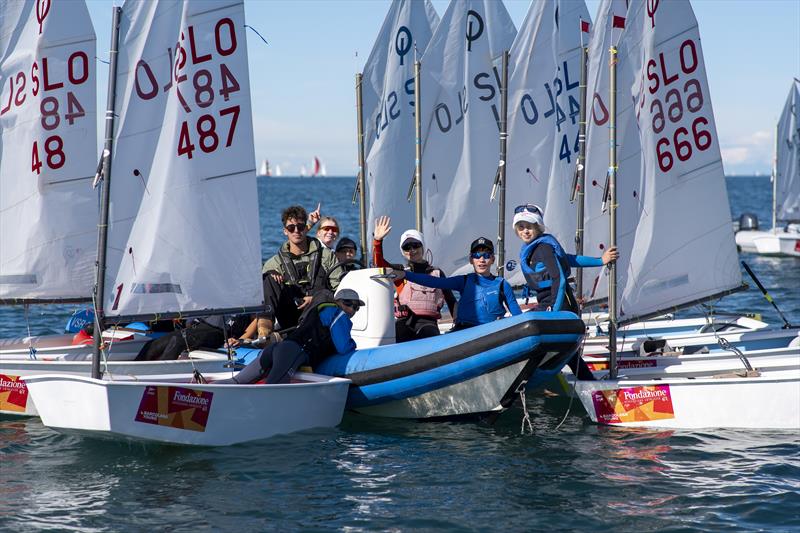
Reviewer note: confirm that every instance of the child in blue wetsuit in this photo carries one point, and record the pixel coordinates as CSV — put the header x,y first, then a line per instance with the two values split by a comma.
x,y
484,297
547,268
324,330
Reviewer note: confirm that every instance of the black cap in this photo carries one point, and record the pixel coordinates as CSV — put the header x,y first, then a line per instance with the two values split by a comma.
x,y
481,242
346,242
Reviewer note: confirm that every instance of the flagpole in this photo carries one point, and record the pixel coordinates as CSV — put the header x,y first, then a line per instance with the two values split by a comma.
x,y
102,227
362,208
578,195
501,219
612,212
418,145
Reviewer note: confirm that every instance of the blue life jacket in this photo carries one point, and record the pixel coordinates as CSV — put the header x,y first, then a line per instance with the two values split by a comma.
x,y
482,300
536,275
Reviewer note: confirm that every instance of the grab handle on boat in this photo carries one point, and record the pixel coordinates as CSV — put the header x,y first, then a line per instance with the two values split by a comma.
x,y
786,324
388,275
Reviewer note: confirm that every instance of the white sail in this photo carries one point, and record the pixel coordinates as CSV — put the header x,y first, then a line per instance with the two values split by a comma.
x,y
684,248
48,151
303,171
263,170
184,229
278,170
629,176
461,147
787,190
388,100
543,119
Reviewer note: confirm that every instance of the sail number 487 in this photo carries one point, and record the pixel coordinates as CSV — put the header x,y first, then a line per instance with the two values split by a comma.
x,y
206,129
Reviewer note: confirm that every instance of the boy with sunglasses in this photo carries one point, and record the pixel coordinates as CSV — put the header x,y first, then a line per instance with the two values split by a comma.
x,y
324,330
295,274
484,296
417,308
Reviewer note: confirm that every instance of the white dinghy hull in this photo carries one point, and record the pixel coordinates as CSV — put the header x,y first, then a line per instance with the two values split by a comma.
x,y
175,412
16,401
768,401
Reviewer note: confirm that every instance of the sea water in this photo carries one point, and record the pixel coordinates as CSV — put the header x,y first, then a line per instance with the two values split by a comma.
x,y
379,474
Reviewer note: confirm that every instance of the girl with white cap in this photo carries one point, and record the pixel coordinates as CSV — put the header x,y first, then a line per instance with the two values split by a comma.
x,y
545,263
546,267
417,308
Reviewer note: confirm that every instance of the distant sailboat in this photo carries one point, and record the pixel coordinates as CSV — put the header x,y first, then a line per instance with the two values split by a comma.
x,y
784,237
278,172
303,171
317,168
263,170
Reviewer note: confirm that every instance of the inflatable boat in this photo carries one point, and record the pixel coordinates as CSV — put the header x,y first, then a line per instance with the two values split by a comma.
x,y
473,372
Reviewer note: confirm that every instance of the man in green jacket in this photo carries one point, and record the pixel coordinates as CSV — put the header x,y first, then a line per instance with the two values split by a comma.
x,y
295,274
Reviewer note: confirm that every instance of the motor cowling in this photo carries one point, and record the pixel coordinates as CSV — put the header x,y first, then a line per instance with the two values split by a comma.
x,y
748,222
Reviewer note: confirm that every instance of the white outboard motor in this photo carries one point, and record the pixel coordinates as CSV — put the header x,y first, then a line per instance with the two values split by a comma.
x,y
373,324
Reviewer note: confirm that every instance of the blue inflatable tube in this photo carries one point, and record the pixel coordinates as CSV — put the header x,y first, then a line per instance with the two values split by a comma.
x,y
398,371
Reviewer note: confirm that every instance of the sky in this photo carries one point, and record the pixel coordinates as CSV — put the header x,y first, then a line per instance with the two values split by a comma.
x,y
303,79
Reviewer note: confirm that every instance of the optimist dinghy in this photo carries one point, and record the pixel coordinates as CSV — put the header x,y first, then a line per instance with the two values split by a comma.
x,y
684,260
172,410
769,399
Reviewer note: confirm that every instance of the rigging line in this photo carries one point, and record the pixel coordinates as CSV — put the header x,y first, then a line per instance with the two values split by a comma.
x,y
31,349
572,390
256,31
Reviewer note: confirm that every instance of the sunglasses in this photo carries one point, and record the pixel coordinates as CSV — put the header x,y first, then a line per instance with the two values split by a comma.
x,y
411,246
330,228
528,208
355,306
481,255
296,228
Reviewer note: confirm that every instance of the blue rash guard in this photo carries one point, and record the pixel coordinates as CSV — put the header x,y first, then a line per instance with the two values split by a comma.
x,y
482,297
340,325
547,268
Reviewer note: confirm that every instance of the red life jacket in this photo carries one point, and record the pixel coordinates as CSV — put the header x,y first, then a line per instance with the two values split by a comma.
x,y
422,301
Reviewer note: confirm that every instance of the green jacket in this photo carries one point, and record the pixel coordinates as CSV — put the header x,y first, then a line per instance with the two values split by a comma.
x,y
299,269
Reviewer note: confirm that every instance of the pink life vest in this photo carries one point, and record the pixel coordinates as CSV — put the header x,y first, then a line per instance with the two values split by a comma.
x,y
422,301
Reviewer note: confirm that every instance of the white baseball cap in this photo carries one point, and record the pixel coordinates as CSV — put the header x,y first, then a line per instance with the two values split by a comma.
x,y
528,213
411,235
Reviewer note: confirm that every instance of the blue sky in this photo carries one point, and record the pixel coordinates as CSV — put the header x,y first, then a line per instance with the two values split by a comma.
x,y
302,82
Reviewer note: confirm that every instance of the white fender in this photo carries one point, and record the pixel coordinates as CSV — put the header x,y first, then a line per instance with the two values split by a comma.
x,y
373,324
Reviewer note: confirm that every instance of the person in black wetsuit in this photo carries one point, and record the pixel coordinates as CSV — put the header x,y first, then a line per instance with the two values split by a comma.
x,y
207,333
546,267
324,330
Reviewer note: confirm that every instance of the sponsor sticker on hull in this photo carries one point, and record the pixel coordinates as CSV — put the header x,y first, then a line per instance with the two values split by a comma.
x,y
13,394
176,407
625,363
634,404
